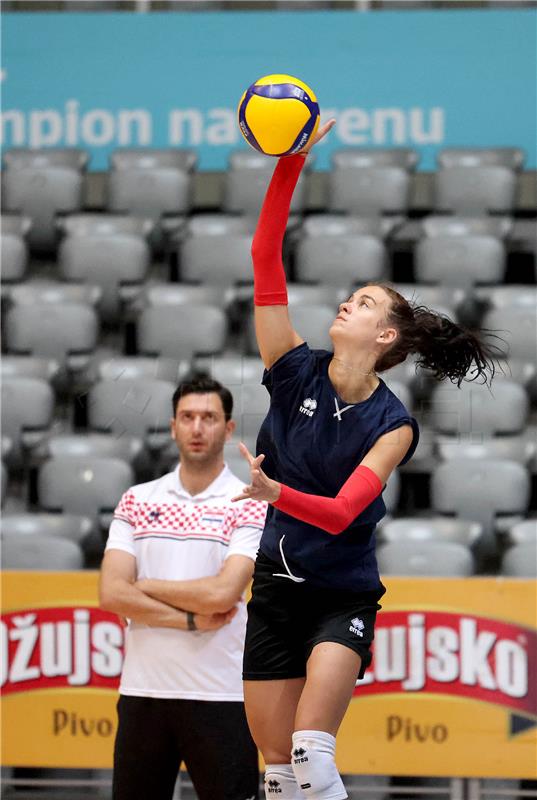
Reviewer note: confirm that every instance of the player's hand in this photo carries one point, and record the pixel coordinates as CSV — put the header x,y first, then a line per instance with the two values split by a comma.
x,y
211,622
321,133
262,487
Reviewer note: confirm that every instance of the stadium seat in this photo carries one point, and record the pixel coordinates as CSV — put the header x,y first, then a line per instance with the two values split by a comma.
x,y
3,483
117,264
231,370
218,225
317,294
218,259
426,559
66,332
436,225
391,493
481,491
37,292
436,529
104,225
198,329
247,179
133,408
42,193
312,323
250,407
509,157
342,261
364,157
152,158
27,412
36,552
500,297
87,486
475,190
42,157
73,527
14,257
400,390
237,464
45,369
95,445
181,294
443,299
340,225
149,192
524,532
460,261
475,410
368,190
517,326
16,224
520,561
134,368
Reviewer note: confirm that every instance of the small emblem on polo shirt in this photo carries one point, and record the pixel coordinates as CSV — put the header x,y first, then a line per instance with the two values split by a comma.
x,y
308,406
154,515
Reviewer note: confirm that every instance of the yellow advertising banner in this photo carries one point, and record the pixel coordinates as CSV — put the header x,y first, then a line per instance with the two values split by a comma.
x,y
452,689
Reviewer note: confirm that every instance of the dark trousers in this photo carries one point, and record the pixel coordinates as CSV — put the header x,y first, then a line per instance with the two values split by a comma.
x,y
156,736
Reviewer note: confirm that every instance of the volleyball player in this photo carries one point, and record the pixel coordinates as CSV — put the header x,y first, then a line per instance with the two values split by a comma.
x,y
333,435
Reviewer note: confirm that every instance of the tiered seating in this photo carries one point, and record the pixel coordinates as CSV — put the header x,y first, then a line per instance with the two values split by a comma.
x,y
136,297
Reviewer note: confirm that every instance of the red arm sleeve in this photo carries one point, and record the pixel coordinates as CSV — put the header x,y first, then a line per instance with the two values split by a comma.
x,y
270,288
332,514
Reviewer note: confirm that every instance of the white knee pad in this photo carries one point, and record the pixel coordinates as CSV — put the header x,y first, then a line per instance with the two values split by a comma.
x,y
280,783
313,763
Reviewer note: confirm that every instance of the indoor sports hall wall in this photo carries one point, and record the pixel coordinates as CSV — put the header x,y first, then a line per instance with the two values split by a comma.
x,y
425,79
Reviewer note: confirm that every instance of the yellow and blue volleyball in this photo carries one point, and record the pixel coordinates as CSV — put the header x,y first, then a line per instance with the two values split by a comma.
x,y
278,115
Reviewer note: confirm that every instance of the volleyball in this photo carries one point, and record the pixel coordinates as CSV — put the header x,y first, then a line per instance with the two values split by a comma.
x,y
278,115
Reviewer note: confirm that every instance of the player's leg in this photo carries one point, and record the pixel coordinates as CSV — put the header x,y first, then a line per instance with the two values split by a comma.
x,y
146,759
271,709
219,752
331,678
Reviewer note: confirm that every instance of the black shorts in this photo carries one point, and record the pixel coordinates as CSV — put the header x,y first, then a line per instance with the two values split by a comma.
x,y
287,619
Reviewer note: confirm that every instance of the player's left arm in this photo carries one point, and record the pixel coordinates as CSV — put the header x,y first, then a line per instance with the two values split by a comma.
x,y
215,593
333,514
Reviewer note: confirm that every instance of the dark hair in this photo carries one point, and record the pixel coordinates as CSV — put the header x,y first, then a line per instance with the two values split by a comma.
x,y
201,384
446,348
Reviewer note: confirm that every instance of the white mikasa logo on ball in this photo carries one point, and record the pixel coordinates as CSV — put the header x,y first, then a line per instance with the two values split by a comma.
x,y
308,406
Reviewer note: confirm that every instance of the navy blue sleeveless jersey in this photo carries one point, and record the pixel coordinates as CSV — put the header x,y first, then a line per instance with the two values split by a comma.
x,y
312,441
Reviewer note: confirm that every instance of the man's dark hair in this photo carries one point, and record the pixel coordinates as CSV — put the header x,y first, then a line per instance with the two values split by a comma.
x,y
201,384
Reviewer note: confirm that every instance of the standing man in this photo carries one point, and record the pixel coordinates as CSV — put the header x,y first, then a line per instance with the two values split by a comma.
x,y
178,559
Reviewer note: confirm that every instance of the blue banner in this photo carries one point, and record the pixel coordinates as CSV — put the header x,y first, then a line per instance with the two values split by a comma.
x,y
423,79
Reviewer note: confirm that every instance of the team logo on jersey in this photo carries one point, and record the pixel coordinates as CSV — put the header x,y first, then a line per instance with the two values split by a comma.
x,y
357,626
273,787
308,406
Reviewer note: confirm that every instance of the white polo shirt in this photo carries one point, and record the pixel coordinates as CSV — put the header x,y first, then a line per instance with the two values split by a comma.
x,y
177,536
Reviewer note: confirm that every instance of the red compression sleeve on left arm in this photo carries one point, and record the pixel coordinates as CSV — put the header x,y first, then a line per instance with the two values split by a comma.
x,y
270,288
332,514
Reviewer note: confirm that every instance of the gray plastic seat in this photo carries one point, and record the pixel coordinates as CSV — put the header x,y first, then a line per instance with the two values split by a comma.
x,y
27,412
518,328
141,368
519,296
13,257
392,492
138,408
425,558
436,529
24,157
198,329
117,264
520,561
149,192
524,532
460,261
237,464
94,445
66,332
37,552
41,291
435,225
475,409
364,157
44,369
41,193
481,491
181,294
73,527
340,225
87,486
434,297
311,322
232,370
318,294
183,159
247,179
344,260
368,190
471,190
104,225
400,390
3,483
509,157
217,259
218,225
16,224
250,407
